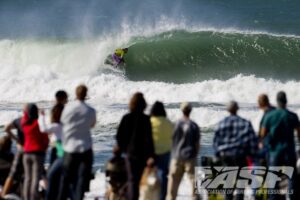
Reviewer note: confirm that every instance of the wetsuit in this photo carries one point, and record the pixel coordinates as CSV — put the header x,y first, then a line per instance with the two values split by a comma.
x,y
118,56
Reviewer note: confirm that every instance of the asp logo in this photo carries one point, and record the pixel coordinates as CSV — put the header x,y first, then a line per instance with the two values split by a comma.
x,y
235,177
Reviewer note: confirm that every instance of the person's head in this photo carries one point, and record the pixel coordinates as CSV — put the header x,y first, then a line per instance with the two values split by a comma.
x,y
158,110
125,50
281,99
56,113
186,108
117,151
232,107
32,112
263,101
137,103
61,97
81,92
5,144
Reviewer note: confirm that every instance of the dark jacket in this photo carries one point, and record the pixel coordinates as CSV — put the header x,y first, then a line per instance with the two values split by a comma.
x,y
134,136
6,160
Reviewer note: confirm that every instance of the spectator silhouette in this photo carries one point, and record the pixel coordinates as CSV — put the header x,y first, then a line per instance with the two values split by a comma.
x,y
134,137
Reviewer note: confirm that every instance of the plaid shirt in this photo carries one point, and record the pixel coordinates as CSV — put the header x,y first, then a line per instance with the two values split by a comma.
x,y
235,136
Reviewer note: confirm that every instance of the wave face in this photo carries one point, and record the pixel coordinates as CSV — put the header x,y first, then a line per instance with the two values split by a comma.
x,y
181,56
172,56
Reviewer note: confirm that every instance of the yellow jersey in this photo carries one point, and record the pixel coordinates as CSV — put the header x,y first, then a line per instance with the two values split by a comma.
x,y
162,131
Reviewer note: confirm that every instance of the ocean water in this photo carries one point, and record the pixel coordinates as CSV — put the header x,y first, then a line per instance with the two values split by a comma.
x,y
203,51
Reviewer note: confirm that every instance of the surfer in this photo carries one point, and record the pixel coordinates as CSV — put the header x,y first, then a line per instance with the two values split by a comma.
x,y
118,56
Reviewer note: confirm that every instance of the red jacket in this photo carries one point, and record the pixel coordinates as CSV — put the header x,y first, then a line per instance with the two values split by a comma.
x,y
34,139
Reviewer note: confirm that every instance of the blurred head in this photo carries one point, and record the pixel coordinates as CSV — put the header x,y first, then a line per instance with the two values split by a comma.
x,y
32,112
5,144
81,92
125,50
263,101
186,108
158,109
137,103
117,151
61,97
281,99
232,107
56,113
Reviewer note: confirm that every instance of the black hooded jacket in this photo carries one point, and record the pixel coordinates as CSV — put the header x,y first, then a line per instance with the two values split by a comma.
x,y
134,136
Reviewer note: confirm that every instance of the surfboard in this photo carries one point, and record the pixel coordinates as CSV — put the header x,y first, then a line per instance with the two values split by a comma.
x,y
109,60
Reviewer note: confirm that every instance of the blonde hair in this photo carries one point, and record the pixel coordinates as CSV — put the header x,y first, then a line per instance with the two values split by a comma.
x,y
81,92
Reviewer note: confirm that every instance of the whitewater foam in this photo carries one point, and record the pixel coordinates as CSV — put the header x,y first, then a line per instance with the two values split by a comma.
x,y
106,91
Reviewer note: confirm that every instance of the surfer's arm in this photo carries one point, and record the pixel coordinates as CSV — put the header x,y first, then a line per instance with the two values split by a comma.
x,y
122,55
